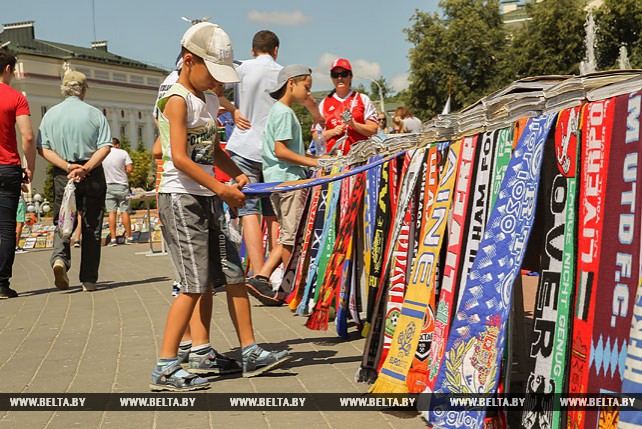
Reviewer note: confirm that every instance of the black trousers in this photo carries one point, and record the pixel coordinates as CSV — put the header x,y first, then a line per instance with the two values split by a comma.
x,y
90,202
10,180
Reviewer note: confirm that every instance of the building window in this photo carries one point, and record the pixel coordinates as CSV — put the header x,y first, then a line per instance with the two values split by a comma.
x,y
101,74
137,79
43,110
104,111
141,129
119,77
123,131
140,115
122,114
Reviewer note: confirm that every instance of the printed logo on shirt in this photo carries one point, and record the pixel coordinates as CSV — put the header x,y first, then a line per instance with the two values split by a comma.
x,y
200,143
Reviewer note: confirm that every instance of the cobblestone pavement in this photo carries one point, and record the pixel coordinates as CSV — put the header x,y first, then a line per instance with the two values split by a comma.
x,y
107,341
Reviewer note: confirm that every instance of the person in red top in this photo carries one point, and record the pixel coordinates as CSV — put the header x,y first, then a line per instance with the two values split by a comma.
x,y
13,109
347,113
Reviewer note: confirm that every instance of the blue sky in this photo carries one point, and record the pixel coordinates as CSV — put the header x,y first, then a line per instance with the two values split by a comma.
x,y
368,33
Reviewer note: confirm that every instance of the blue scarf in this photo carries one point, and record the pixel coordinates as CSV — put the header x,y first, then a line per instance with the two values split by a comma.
x,y
476,341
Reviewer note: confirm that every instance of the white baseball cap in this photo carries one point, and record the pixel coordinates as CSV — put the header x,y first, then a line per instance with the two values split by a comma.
x,y
211,43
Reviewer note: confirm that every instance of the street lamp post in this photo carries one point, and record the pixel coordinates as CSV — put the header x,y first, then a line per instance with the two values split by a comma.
x,y
38,206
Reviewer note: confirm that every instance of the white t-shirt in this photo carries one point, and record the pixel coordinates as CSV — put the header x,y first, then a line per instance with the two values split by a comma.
x,y
114,165
201,138
412,124
162,89
258,76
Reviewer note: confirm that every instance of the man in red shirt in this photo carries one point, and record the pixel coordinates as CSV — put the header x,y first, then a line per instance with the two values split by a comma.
x,y
13,109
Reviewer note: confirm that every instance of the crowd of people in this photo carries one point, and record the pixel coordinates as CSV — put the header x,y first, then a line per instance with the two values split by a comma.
x,y
266,145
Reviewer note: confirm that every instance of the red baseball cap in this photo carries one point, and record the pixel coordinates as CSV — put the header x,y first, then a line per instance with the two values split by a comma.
x,y
341,62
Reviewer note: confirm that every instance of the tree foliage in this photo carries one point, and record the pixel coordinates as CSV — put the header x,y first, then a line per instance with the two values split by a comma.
x,y
461,45
550,43
619,23
144,172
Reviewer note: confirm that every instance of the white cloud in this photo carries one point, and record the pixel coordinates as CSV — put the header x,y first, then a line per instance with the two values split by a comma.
x,y
361,69
291,19
400,82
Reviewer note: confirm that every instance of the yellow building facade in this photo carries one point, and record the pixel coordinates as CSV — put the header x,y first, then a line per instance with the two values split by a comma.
x,y
123,89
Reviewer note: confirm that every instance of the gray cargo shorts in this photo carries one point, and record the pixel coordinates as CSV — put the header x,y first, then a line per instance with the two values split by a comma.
x,y
198,242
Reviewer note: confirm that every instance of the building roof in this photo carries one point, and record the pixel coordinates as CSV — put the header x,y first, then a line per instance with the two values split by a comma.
x,y
23,41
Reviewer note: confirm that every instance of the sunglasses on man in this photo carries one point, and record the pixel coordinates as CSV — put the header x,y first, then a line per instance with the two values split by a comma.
x,y
336,75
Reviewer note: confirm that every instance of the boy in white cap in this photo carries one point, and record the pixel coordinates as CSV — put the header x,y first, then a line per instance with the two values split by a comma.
x,y
284,157
187,206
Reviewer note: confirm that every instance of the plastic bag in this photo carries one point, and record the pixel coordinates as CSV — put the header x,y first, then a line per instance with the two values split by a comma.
x,y
67,215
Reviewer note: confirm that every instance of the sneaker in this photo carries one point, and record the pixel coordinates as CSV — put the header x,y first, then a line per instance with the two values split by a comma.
x,y
261,290
20,250
112,243
260,361
213,363
60,274
129,240
76,243
88,286
6,292
172,380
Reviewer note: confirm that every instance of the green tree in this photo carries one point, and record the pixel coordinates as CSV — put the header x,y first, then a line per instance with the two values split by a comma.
x,y
461,44
143,167
619,23
551,42
305,119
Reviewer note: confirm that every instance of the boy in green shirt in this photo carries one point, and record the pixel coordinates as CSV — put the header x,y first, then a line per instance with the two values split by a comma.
x,y
284,156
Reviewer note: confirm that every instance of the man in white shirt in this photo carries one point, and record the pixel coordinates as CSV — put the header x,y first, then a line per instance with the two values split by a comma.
x,y
258,75
118,165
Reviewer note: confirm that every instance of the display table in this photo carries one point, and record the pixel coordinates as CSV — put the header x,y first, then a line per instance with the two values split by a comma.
x,y
147,197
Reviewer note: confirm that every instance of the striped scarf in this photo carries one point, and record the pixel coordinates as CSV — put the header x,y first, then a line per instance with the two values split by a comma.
x,y
596,148
392,378
632,377
549,347
476,342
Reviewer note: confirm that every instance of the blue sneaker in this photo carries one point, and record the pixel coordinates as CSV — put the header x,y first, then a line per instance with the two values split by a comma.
x,y
260,361
173,380
212,363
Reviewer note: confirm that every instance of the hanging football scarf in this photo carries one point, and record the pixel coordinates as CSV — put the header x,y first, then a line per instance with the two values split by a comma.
x,y
419,378
330,207
381,227
478,211
504,152
289,269
294,298
392,377
399,252
344,267
318,320
596,142
476,341
372,329
373,176
549,345
619,260
632,377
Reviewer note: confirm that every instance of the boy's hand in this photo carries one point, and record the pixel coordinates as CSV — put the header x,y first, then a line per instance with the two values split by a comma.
x,y
233,196
242,180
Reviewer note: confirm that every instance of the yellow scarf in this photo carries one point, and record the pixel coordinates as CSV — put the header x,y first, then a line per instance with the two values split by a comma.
x,y
392,378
